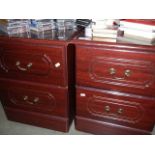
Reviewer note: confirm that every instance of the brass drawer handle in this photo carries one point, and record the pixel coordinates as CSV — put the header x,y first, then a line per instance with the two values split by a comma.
x,y
120,111
112,71
25,98
29,65
36,99
127,72
107,108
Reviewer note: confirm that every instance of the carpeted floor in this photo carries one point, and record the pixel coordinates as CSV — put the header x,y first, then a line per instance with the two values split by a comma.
x,y
14,128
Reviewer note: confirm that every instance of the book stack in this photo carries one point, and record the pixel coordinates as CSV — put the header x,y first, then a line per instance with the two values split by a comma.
x,y
83,22
52,27
138,31
66,23
40,25
14,26
104,30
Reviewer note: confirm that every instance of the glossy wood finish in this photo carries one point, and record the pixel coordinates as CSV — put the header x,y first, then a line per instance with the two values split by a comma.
x,y
38,119
36,63
37,81
118,108
115,87
36,98
104,128
116,68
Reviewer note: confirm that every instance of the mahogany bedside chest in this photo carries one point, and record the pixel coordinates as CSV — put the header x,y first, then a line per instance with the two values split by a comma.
x,y
115,88
37,81
115,84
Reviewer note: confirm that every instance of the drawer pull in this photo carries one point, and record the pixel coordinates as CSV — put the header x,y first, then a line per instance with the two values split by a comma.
x,y
25,98
29,65
107,108
36,99
57,65
120,111
127,72
112,71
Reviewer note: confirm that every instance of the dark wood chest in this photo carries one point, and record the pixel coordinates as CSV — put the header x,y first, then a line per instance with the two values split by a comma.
x,y
115,88
36,81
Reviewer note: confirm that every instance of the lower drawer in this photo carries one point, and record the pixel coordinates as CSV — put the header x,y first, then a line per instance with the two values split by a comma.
x,y
117,108
35,98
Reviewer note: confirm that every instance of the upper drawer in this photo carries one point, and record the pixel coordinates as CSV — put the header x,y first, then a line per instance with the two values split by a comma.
x,y
37,63
123,70
114,107
36,98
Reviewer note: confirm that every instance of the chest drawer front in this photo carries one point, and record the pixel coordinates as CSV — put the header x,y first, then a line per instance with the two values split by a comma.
x,y
33,63
48,100
119,69
116,108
